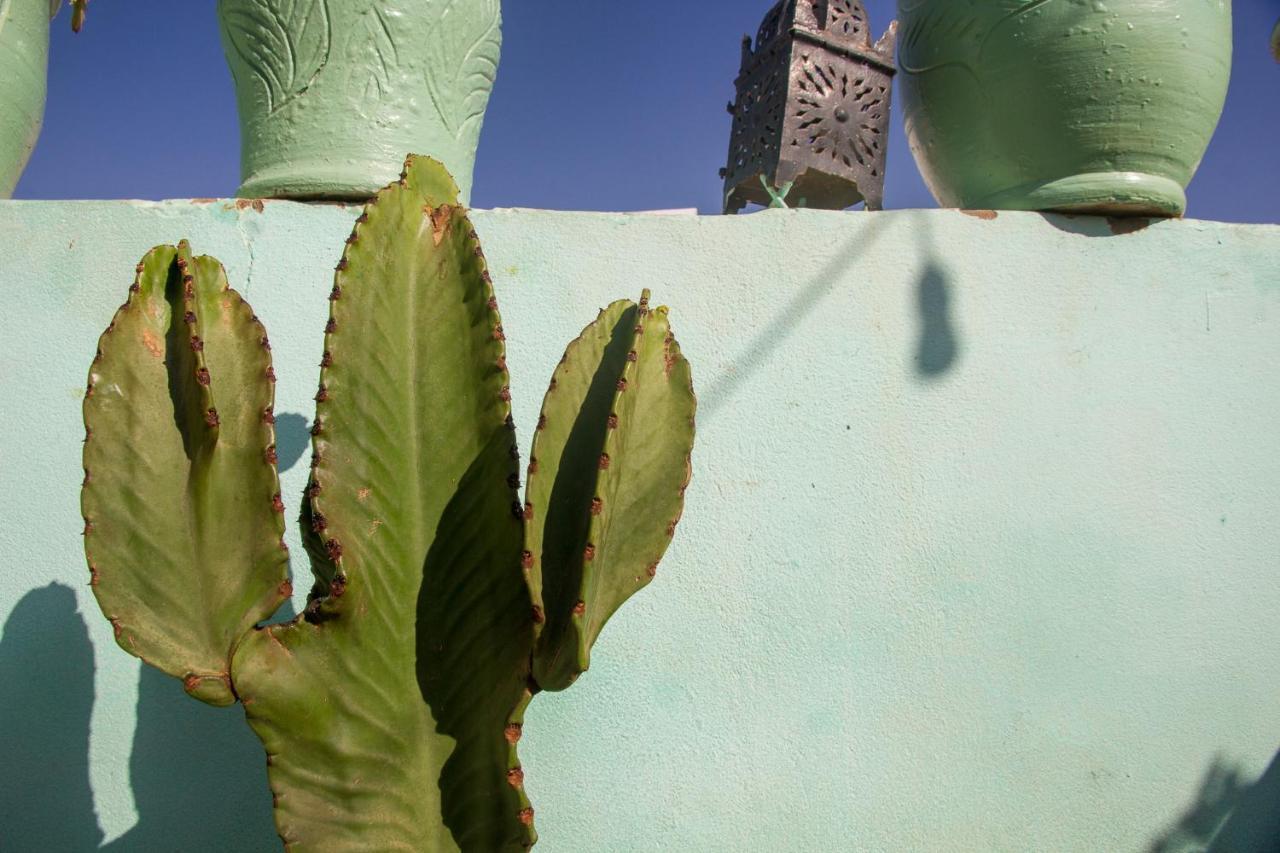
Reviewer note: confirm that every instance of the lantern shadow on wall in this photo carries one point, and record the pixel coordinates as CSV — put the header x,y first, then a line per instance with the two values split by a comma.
x,y
811,117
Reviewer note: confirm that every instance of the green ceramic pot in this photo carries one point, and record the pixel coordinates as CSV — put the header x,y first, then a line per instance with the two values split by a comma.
x,y
24,64
334,93
1099,106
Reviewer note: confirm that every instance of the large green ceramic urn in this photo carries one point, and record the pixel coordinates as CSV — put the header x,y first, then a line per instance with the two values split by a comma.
x,y
24,61
1099,106
333,94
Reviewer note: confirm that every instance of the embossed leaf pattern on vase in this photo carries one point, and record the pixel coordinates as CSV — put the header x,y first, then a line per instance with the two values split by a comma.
x,y
285,44
464,66
332,94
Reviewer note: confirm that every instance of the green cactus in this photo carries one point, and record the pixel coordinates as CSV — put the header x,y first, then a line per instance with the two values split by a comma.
x,y
390,710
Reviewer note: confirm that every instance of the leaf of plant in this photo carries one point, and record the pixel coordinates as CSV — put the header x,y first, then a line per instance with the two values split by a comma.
x,y
387,714
606,480
179,398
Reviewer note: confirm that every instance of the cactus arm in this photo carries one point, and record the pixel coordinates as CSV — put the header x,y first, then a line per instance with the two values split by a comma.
x,y
563,469
607,477
389,712
182,532
644,472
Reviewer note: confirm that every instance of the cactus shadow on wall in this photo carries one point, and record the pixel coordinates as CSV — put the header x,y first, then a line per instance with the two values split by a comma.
x,y
1229,815
46,698
293,437
187,758
190,759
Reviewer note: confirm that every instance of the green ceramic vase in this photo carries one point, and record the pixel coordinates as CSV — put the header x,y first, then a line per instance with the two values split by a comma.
x,y
1098,106
24,64
333,94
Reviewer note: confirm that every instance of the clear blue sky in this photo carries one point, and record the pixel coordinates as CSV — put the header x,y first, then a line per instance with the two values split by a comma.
x,y
599,106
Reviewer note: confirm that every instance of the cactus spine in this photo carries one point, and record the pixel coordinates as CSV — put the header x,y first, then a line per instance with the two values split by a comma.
x,y
442,603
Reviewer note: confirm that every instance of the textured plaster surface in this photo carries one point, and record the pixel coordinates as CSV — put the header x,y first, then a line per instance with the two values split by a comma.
x,y
980,552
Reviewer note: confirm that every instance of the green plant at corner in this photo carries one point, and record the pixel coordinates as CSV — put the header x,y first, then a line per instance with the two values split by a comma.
x,y
442,603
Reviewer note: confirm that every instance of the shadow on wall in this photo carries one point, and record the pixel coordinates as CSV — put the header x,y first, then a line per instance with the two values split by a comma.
x,y
938,345
46,697
1229,814
293,437
198,773
807,298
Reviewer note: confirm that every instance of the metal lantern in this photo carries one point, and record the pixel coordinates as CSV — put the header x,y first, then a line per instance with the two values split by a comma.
x,y
811,119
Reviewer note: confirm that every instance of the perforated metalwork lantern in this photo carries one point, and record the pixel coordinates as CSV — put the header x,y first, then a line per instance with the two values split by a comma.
x,y
811,119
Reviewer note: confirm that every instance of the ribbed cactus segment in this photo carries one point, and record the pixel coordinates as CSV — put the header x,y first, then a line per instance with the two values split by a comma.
x,y
607,475
183,520
390,713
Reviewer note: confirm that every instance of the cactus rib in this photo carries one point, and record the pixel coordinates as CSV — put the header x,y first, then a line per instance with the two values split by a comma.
x,y
417,641
186,567
613,442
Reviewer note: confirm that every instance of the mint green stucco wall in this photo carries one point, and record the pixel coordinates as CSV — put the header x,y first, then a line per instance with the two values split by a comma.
x,y
981,551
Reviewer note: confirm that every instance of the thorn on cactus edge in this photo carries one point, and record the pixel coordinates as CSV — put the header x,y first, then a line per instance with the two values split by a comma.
x,y
579,608
319,523
326,360
202,376
597,506
653,570
331,326
533,465
513,732
505,394
271,374
515,777
526,816
613,421
589,553
542,422
338,586
538,619
513,481
622,384
211,418
604,461
189,318
631,356
269,415
272,459
334,549
526,560
197,345
277,502
517,510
